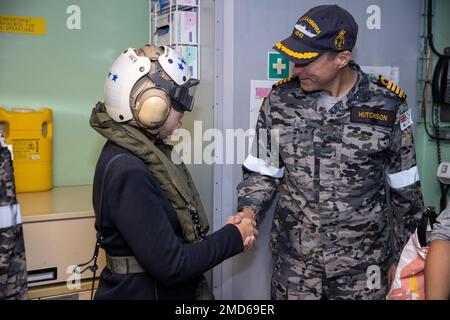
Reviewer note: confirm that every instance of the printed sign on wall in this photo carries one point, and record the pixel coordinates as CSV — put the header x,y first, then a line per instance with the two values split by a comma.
x,y
26,25
259,89
390,73
278,66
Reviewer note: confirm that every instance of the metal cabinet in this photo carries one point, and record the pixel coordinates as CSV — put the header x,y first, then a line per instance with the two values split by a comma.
x,y
59,234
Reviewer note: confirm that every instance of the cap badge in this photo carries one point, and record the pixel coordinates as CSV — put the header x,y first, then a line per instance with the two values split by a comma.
x,y
339,42
302,29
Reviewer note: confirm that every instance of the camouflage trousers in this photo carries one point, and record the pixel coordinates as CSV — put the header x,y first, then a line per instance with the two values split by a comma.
x,y
13,271
296,280
299,265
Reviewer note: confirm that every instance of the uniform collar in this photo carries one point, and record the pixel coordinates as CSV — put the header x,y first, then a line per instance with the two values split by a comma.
x,y
361,90
357,94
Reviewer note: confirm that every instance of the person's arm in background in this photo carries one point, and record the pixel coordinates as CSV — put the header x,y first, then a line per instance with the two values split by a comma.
x,y
405,192
262,168
437,266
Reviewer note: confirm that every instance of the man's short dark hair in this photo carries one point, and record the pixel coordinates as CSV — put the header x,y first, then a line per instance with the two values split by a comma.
x,y
331,55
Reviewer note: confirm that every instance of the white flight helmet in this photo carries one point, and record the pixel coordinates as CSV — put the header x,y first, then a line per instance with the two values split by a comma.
x,y
144,84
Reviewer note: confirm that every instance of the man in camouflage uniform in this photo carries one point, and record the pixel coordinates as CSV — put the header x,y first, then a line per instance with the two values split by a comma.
x,y
13,271
343,139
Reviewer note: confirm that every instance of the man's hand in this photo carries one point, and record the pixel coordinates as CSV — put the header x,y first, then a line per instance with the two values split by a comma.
x,y
245,213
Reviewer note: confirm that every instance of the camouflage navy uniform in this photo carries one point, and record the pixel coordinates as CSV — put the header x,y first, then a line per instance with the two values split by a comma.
x,y
331,220
13,272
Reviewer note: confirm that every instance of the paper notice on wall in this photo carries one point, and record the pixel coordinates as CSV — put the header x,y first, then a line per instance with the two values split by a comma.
x,y
18,24
390,73
187,27
259,89
190,54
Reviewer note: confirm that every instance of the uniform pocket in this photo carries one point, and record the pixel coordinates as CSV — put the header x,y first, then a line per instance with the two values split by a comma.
x,y
297,150
362,154
360,143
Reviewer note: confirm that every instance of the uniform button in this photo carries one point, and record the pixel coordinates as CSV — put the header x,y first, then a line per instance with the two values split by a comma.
x,y
196,221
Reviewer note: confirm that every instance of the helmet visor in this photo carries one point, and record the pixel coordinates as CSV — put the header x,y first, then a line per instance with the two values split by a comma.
x,y
183,96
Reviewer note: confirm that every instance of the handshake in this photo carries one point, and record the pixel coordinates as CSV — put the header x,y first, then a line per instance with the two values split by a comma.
x,y
245,221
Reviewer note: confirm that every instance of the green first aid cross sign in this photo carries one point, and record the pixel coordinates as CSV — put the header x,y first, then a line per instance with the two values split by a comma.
x,y
278,66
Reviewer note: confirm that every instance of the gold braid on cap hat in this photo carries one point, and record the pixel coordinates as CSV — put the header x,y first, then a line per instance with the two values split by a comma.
x,y
298,55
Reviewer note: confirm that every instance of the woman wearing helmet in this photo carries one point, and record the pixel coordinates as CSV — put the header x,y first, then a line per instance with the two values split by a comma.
x,y
149,217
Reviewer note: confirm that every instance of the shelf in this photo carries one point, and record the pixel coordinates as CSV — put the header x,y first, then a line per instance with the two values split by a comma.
x,y
174,8
184,44
180,30
56,204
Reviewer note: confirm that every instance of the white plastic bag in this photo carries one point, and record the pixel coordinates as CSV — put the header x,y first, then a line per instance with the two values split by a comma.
x,y
409,280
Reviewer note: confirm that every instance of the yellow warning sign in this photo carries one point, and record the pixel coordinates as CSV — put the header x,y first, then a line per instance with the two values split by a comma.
x,y
26,149
17,24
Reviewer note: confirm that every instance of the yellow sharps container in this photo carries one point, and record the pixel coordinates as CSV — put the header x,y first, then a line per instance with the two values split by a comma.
x,y
30,133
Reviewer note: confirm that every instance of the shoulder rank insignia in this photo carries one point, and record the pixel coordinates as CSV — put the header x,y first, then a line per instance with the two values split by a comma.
x,y
285,80
392,87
